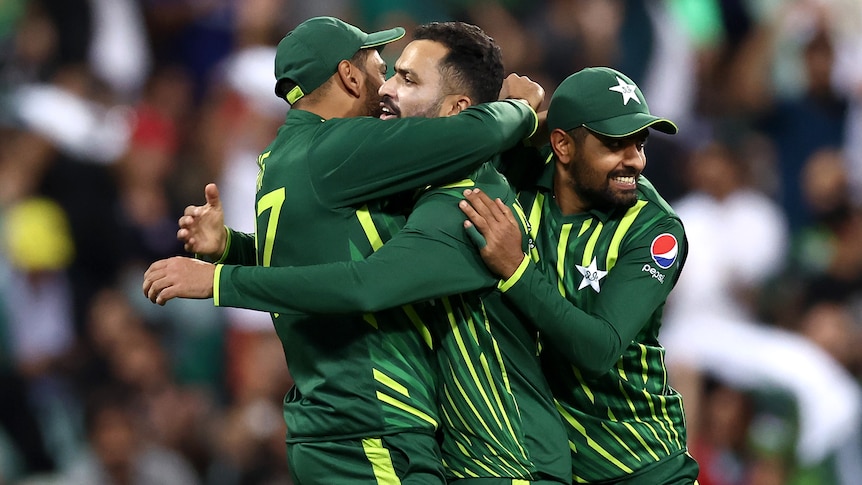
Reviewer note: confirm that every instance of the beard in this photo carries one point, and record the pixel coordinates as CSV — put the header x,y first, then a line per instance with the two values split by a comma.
x,y
431,111
594,189
372,101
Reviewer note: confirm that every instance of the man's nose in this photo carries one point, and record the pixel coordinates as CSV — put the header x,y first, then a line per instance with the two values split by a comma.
x,y
387,88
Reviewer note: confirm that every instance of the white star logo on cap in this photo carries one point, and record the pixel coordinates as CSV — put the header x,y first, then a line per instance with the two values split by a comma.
x,y
592,276
627,90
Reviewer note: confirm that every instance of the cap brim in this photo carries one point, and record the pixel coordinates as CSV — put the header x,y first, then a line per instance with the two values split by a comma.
x,y
630,124
379,39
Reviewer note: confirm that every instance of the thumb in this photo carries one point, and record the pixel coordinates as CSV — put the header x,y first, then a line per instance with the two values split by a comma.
x,y
211,191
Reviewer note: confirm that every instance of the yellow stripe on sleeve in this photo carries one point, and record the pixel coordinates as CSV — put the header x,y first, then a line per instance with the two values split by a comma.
x,y
390,383
460,183
381,461
404,407
504,285
216,286
364,216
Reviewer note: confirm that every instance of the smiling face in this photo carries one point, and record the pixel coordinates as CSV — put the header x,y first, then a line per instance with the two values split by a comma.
x,y
418,87
601,172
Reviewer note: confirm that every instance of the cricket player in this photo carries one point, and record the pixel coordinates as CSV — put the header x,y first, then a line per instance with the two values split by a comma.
x,y
364,407
606,250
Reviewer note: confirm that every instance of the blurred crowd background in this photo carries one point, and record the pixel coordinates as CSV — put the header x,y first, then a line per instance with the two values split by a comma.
x,y
114,114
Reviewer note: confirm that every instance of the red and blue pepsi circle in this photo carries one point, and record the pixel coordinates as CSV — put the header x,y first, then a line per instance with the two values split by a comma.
x,y
664,249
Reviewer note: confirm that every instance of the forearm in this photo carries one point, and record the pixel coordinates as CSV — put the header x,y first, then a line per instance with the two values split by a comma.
x,y
405,270
589,342
398,155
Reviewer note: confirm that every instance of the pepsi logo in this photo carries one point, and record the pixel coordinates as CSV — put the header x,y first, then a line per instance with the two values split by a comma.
x,y
663,250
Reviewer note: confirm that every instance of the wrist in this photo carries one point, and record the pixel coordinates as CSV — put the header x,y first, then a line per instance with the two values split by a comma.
x,y
221,255
515,275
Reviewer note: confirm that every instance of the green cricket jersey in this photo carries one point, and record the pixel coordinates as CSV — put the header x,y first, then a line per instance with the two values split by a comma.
x,y
319,199
596,284
498,416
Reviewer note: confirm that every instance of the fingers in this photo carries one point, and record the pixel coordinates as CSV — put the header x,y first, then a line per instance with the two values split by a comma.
x,y
187,220
475,237
165,295
157,286
154,280
484,205
470,212
506,211
212,195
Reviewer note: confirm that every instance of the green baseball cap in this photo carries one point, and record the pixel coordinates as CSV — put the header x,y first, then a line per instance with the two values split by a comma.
x,y
606,102
309,54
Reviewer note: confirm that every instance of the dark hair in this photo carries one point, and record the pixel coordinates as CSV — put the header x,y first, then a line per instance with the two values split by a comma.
x,y
474,62
578,134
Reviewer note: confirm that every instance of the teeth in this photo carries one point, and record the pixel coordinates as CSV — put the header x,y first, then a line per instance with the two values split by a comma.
x,y
386,110
625,180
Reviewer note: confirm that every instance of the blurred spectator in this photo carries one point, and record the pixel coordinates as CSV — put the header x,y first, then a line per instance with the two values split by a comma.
x,y
241,116
120,111
826,263
834,328
38,248
802,125
738,239
147,205
119,453
132,356
118,50
249,437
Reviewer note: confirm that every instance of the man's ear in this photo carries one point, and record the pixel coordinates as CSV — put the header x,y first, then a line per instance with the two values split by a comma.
x,y
457,104
563,146
351,78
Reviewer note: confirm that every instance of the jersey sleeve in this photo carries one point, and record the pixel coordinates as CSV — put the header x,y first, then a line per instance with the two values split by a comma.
x,y
239,249
430,257
631,292
383,158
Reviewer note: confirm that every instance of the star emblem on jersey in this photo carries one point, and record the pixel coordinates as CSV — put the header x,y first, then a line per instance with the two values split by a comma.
x,y
592,275
627,90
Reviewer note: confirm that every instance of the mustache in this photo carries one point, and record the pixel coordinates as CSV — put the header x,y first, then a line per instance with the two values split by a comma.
x,y
387,103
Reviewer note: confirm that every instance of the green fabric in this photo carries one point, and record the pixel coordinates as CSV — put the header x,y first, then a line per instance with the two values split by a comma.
x,y
356,375
402,458
680,469
604,100
310,53
240,249
601,353
496,405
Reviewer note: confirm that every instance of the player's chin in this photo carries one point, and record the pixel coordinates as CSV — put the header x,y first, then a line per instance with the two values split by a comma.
x,y
625,199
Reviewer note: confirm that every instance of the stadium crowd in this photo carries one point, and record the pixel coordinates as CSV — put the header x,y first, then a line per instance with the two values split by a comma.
x,y
114,114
